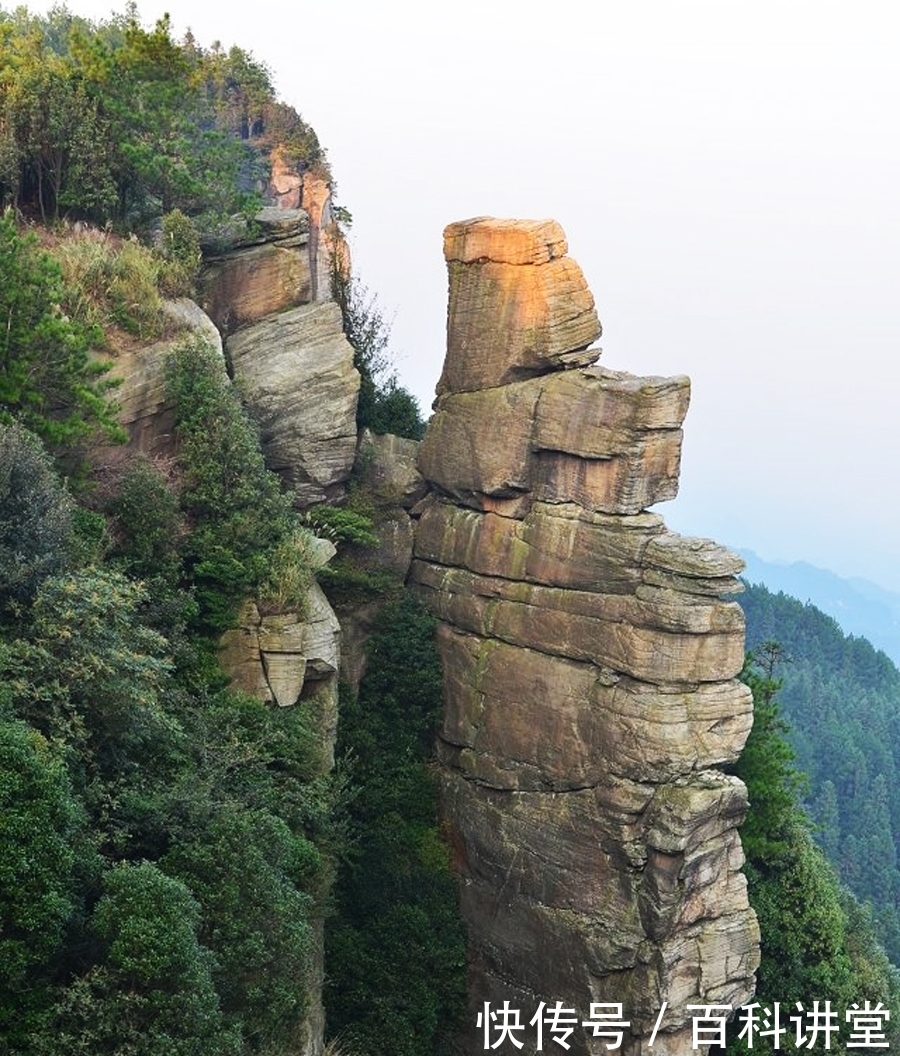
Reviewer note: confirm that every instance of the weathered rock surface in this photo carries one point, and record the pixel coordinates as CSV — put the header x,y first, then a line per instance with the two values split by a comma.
x,y
268,293
388,468
518,305
604,440
589,663
144,410
297,378
281,657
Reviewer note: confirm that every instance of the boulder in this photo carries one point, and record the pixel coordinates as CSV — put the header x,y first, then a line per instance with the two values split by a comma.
x,y
518,306
296,374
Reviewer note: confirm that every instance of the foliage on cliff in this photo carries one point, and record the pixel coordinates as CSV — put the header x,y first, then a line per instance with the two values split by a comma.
x,y
841,699
115,123
384,405
162,840
395,950
48,381
818,943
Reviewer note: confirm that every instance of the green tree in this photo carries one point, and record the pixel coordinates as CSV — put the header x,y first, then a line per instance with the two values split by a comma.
x,y
842,700
235,508
61,144
89,674
248,871
767,763
808,950
168,153
35,516
48,380
384,405
151,992
40,834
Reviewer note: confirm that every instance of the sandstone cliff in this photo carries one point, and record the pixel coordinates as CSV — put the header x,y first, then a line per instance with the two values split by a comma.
x,y
589,662
285,349
282,341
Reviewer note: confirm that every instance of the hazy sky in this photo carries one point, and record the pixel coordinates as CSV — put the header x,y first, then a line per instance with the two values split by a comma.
x,y
728,175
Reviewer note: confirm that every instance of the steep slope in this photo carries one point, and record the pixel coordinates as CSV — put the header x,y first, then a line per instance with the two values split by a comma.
x,y
841,699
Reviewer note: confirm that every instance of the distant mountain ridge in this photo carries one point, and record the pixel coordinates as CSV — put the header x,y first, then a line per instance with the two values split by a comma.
x,y
860,607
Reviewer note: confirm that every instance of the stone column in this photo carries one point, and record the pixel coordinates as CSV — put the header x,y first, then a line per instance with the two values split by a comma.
x,y
589,664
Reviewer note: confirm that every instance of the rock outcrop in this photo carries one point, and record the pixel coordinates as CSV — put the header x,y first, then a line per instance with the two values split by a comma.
x,y
589,663
285,346
145,410
296,374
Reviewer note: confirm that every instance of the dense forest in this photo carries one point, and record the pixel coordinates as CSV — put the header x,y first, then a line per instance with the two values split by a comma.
x,y
841,702
818,941
169,847
113,123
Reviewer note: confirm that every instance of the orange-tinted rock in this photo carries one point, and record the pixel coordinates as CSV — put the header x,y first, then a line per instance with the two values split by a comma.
x,y
249,284
504,241
285,183
518,306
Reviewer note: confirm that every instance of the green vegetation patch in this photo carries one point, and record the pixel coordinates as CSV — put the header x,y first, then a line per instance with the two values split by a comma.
x,y
395,951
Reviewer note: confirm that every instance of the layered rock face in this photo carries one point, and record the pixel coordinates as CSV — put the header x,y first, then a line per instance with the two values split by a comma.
x,y
285,347
283,344
589,664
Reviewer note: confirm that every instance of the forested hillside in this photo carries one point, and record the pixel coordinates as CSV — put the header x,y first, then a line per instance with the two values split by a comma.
x,y
168,846
841,700
815,937
117,124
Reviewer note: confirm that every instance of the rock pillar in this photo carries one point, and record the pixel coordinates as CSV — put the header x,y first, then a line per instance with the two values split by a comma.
x,y
589,665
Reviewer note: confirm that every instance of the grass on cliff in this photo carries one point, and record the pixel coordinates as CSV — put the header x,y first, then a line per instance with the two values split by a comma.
x,y
116,286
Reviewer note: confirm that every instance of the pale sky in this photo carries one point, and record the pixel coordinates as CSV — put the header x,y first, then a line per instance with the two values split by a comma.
x,y
728,175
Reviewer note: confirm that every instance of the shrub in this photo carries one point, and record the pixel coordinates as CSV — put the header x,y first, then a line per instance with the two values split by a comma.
x,y
48,380
147,523
234,506
152,993
342,525
289,574
180,251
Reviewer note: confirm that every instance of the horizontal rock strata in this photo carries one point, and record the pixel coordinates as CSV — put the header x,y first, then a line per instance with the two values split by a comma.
x,y
518,305
589,663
